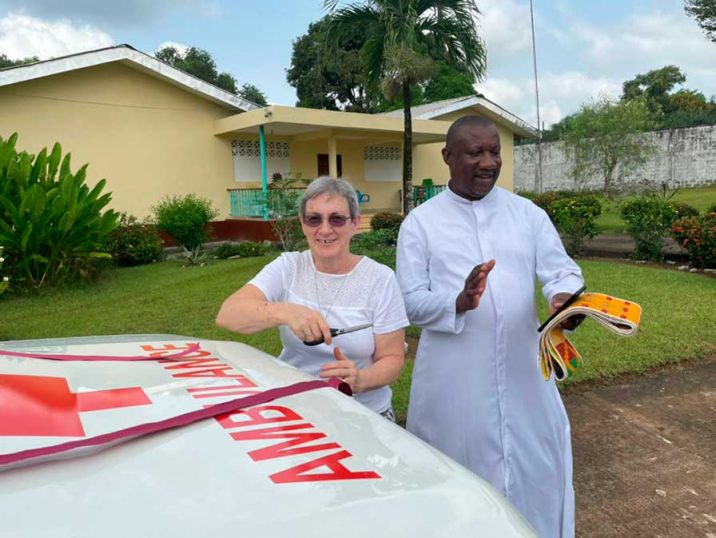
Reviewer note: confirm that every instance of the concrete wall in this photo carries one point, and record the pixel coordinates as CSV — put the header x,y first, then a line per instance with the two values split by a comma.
x,y
147,137
684,158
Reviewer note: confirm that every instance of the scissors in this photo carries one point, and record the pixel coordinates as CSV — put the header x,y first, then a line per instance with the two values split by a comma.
x,y
338,332
562,308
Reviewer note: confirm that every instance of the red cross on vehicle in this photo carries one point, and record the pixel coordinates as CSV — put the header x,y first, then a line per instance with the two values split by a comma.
x,y
45,406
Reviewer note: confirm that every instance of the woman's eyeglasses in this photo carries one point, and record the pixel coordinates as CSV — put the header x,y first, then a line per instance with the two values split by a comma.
x,y
335,220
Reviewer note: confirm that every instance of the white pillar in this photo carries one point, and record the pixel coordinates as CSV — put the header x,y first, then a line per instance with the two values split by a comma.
x,y
332,156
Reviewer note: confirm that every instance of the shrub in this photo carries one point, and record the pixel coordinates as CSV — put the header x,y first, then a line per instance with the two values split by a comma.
x,y
289,233
684,210
5,281
574,214
710,209
698,236
250,249
648,219
283,198
185,218
530,195
386,220
226,250
284,195
245,249
376,239
52,225
377,244
575,218
545,200
134,243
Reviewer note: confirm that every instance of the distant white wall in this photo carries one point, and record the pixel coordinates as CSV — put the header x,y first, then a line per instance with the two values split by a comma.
x,y
684,158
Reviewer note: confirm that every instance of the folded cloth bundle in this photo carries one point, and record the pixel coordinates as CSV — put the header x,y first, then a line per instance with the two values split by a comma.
x,y
558,355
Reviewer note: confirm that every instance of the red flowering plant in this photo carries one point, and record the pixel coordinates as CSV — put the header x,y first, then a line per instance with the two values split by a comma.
x,y
698,236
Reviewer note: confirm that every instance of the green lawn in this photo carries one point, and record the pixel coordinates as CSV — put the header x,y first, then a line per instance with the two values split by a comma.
x,y
679,319
610,222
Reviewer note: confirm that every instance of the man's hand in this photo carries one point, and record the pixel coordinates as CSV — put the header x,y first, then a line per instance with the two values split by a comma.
x,y
556,303
475,285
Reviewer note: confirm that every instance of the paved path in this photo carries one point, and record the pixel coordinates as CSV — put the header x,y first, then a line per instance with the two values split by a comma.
x,y
622,246
645,455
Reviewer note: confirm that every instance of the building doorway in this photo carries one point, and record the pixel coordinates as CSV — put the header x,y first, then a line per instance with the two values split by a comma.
x,y
323,167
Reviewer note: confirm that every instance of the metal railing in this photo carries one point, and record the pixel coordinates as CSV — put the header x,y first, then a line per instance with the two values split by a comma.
x,y
284,202
424,193
249,202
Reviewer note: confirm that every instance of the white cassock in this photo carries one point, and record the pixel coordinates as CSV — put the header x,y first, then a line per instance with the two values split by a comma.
x,y
477,392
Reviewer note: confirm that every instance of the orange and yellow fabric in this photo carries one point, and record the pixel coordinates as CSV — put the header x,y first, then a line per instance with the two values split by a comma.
x,y
559,356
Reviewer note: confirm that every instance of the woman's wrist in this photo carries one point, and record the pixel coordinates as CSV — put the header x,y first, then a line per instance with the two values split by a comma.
x,y
359,382
275,314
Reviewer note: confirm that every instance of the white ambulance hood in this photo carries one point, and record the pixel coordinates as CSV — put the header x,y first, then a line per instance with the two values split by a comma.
x,y
313,464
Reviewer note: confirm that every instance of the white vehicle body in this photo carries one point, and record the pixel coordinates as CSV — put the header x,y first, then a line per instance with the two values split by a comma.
x,y
308,465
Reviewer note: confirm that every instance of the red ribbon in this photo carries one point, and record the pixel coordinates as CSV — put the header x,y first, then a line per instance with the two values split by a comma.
x,y
27,456
53,357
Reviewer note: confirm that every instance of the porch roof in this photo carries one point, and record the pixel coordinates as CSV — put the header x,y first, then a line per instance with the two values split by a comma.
x,y
307,123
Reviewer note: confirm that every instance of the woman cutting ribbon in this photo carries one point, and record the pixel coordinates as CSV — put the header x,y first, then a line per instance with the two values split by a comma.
x,y
306,294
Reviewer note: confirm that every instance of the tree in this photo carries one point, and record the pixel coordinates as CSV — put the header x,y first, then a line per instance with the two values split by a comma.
x,y
607,138
200,63
655,87
448,83
704,11
253,94
683,108
559,130
403,38
7,62
330,79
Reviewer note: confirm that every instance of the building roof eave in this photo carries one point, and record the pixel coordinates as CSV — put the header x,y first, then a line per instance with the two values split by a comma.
x,y
132,57
433,111
288,121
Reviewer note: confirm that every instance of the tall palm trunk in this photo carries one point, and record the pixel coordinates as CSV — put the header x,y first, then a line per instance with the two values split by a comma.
x,y
407,150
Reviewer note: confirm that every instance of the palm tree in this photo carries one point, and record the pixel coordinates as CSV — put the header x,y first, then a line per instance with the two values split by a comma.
x,y
404,40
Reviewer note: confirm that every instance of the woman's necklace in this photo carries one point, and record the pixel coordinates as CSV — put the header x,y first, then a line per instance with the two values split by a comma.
x,y
335,297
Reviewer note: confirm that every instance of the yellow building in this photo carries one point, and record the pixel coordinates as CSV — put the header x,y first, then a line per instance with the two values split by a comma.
x,y
152,131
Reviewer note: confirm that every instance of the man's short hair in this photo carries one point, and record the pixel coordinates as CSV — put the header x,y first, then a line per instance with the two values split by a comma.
x,y
461,123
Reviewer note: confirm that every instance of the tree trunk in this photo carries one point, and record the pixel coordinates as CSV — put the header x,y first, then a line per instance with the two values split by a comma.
x,y
407,151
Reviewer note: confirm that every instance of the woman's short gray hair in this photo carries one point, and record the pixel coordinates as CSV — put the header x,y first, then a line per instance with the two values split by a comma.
x,y
332,186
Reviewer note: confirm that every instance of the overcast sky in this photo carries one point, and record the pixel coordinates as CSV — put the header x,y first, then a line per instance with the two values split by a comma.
x,y
585,48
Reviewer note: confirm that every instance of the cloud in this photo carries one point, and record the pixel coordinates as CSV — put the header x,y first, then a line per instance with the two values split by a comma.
x,y
560,94
505,27
576,84
22,36
180,47
649,41
124,13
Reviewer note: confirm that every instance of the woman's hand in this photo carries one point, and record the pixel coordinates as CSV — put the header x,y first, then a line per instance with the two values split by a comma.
x,y
308,325
343,368
247,311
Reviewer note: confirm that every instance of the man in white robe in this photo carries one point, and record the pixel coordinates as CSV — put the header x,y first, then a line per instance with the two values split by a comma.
x,y
467,263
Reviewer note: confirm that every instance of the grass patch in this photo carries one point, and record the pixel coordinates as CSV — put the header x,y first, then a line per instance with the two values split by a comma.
x,y
678,321
159,298
610,222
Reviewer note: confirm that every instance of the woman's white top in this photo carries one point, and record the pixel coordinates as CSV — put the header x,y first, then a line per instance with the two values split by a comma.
x,y
369,293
